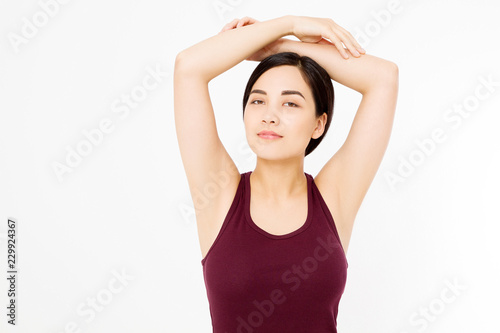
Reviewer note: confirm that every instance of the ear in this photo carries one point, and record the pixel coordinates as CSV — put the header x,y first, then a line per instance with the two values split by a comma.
x,y
320,126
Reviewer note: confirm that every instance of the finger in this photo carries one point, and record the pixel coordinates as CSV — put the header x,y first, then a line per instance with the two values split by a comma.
x,y
347,42
338,44
356,51
233,23
241,23
245,21
251,20
352,49
344,38
353,40
230,25
224,28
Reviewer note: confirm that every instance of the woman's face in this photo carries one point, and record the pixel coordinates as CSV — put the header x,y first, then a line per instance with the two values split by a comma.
x,y
281,101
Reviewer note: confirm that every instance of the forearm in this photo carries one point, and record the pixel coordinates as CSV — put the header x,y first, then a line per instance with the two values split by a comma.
x,y
361,74
215,55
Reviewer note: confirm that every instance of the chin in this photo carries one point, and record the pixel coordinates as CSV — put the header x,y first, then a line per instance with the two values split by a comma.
x,y
272,150
273,154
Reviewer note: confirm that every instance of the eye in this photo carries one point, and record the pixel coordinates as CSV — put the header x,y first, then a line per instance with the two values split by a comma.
x,y
257,100
292,104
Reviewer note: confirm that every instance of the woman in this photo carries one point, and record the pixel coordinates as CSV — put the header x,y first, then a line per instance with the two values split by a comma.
x,y
265,269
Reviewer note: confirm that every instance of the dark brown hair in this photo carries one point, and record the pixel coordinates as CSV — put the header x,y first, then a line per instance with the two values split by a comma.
x,y
315,76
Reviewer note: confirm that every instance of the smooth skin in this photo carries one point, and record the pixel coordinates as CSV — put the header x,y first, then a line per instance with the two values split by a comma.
x,y
278,184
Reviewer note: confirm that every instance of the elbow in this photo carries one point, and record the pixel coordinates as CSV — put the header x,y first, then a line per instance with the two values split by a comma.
x,y
393,67
185,62
180,61
390,71
385,78
389,77
393,72
186,66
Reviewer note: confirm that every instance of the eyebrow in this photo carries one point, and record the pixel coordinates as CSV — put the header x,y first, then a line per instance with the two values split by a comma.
x,y
284,92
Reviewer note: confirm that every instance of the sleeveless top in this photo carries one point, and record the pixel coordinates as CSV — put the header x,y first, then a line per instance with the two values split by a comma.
x,y
260,282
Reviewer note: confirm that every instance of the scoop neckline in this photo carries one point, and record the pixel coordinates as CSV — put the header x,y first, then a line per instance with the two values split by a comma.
x,y
252,224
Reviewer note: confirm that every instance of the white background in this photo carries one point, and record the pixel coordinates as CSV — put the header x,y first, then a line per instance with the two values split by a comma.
x,y
125,208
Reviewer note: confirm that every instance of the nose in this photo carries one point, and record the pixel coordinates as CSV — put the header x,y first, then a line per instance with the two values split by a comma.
x,y
270,116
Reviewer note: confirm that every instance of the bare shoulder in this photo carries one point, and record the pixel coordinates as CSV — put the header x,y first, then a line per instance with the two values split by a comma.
x,y
212,205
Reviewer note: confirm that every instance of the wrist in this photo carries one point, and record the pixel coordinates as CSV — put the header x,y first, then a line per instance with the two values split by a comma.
x,y
287,22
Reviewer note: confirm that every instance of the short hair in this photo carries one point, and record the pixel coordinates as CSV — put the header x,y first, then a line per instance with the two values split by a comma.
x,y
315,76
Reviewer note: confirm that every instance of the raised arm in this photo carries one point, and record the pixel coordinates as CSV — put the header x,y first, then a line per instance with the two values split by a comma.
x,y
207,164
203,154
201,150
215,55
346,177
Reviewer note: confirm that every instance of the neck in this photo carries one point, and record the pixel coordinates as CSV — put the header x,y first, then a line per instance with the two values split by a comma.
x,y
279,180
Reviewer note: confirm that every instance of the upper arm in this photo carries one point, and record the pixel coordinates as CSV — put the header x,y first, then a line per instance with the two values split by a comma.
x,y
349,173
208,166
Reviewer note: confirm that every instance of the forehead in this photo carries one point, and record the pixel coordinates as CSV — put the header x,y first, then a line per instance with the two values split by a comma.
x,y
281,78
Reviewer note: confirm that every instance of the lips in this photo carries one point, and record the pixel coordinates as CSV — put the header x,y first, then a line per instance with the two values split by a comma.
x,y
268,134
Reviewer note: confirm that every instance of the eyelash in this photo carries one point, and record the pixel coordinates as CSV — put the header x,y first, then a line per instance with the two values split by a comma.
x,y
258,100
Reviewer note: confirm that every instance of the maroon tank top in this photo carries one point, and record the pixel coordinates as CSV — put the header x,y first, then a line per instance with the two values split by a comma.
x,y
259,282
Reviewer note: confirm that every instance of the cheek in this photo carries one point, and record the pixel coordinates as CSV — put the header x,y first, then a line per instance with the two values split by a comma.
x,y
251,119
246,119
248,124
299,124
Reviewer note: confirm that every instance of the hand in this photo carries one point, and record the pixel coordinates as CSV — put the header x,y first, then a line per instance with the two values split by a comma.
x,y
325,31
261,54
236,23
